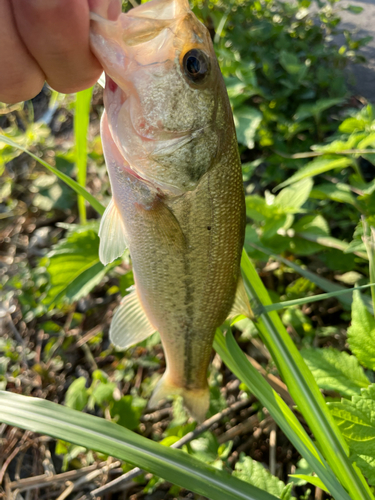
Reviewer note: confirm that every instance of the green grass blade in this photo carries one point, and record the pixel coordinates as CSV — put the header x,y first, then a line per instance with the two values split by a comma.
x,y
302,387
369,241
313,298
97,433
81,125
316,167
322,283
68,180
330,242
236,361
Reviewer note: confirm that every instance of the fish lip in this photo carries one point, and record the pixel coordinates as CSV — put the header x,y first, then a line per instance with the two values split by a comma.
x,y
138,29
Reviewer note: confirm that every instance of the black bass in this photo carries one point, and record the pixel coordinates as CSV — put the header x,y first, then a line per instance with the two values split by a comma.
x,y
178,201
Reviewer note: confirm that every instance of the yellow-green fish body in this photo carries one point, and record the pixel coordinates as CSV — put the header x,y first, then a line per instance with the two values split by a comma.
x,y
178,200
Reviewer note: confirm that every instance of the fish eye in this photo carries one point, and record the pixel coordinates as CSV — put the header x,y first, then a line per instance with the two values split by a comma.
x,y
196,65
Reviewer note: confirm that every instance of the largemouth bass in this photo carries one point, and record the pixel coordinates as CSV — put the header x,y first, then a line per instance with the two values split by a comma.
x,y
178,201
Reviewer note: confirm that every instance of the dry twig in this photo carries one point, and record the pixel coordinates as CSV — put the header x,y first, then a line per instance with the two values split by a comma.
x,y
273,437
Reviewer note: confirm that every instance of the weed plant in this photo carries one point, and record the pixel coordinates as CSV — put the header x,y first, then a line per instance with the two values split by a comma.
x,y
301,373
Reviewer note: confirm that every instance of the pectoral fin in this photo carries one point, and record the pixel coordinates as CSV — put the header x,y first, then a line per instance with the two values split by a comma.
x,y
166,228
112,235
241,305
130,324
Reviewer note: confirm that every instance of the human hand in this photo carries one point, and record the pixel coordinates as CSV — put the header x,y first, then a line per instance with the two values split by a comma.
x,y
47,40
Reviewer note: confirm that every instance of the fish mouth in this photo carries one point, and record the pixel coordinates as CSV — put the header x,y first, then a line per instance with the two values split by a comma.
x,y
142,23
148,26
135,30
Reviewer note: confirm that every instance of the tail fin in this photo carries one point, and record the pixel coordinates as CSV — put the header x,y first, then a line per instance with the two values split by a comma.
x,y
196,401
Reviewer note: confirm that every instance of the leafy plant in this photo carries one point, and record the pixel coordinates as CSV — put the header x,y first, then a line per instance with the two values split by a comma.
x,y
308,164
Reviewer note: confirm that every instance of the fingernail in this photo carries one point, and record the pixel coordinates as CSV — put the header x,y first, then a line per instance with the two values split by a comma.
x,y
114,9
108,9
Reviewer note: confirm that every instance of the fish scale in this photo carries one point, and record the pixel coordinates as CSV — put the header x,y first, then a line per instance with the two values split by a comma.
x,y
178,198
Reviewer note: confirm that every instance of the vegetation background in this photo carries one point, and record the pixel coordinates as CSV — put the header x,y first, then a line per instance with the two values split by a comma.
x,y
308,151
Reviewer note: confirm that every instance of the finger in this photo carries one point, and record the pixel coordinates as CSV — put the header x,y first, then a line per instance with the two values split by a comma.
x,y
57,34
21,77
109,9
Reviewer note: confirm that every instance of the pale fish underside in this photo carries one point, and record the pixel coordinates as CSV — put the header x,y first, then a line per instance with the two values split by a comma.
x,y
178,201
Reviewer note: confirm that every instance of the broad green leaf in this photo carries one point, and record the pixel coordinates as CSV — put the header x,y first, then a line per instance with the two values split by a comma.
x,y
369,140
248,169
335,371
81,124
127,411
275,224
76,396
291,199
240,91
315,109
308,229
355,9
310,479
339,192
291,63
312,224
254,473
247,121
68,180
316,167
338,145
354,124
101,393
177,467
277,210
206,449
361,333
356,420
74,267
257,208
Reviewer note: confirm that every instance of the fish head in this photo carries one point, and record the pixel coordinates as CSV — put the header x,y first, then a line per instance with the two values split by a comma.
x,y
164,92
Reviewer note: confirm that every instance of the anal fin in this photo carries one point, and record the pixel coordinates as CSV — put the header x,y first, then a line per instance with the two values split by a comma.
x,y
241,305
130,324
112,235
